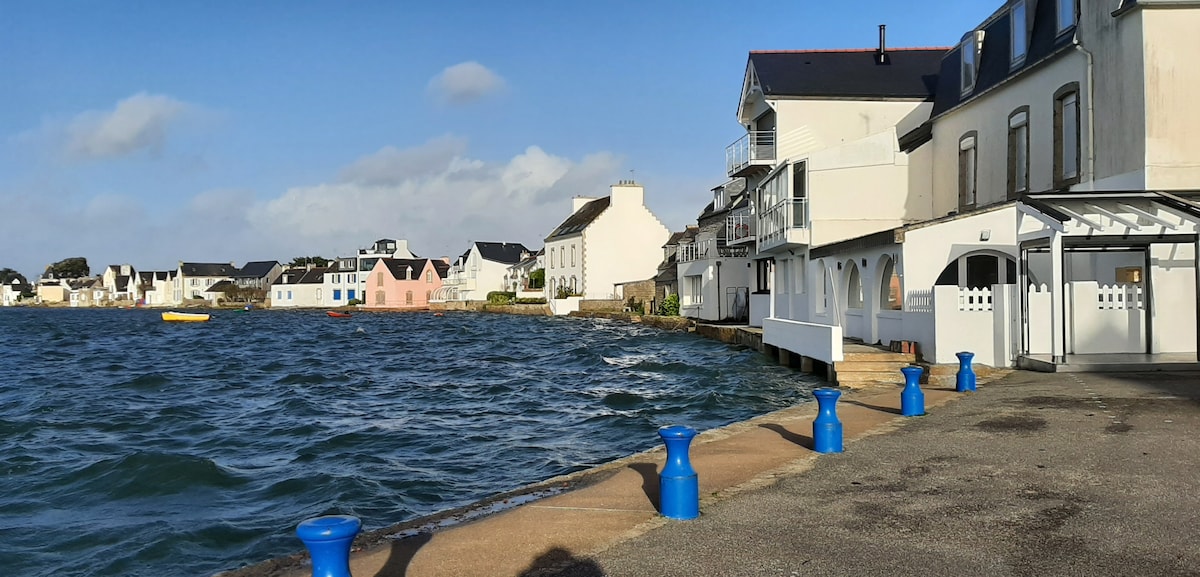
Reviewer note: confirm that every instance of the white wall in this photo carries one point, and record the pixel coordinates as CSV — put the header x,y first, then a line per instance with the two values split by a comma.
x,y
806,125
621,245
1173,294
561,268
928,249
821,342
1172,80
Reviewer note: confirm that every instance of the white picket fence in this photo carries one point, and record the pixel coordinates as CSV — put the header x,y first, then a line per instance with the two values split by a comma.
x,y
1120,297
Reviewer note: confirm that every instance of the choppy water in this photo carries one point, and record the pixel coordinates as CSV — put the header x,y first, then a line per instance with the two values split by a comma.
x,y
129,446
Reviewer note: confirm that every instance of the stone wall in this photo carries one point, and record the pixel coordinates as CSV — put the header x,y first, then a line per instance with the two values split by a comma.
x,y
614,306
528,310
640,291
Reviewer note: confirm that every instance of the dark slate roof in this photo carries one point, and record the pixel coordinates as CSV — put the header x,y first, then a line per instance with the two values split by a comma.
x,y
315,275
910,73
994,64
291,276
399,267
505,252
674,239
581,219
256,269
442,268
207,269
122,282
463,258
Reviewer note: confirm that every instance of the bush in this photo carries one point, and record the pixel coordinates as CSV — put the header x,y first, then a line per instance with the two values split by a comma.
x,y
562,293
353,302
538,301
501,298
635,306
669,306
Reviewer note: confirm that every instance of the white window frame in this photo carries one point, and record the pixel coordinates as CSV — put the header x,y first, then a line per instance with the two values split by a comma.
x,y
1019,37
969,60
968,196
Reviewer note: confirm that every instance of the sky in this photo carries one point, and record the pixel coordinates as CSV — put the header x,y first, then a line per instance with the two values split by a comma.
x,y
149,132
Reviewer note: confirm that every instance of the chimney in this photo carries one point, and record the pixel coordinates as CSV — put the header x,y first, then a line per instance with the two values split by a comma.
x,y
627,192
446,259
882,57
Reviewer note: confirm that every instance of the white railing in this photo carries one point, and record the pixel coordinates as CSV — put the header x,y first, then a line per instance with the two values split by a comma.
x,y
757,146
1122,297
774,222
708,249
974,299
739,227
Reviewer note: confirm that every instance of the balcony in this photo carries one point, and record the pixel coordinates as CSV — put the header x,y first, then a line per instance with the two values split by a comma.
x,y
753,151
786,222
708,249
740,227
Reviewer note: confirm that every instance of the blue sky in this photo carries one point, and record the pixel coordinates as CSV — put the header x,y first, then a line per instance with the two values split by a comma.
x,y
149,132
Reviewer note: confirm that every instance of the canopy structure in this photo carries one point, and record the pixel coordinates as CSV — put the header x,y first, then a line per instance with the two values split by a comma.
x,y
444,293
1139,241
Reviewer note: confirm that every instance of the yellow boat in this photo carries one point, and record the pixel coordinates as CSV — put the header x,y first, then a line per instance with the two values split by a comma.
x,y
178,317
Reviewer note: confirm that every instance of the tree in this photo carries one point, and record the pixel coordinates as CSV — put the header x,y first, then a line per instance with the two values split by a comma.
x,y
537,279
301,261
74,267
7,275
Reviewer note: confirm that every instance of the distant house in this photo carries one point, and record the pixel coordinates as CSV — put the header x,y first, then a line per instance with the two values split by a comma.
x,y
121,282
604,242
517,277
404,283
53,290
10,292
155,288
299,288
666,281
193,279
482,269
258,275
88,292
715,273
346,278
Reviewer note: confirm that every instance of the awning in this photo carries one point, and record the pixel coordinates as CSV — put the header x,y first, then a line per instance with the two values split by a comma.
x,y
1124,214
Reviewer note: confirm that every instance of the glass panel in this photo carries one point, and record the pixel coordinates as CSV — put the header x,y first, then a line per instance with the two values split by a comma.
x,y
1070,136
982,271
1021,134
1018,31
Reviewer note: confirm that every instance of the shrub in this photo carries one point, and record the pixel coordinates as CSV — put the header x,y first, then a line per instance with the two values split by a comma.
x,y
562,293
669,306
353,302
501,298
635,306
538,301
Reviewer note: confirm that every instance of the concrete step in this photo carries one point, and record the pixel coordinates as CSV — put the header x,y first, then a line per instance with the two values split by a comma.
x,y
879,356
871,365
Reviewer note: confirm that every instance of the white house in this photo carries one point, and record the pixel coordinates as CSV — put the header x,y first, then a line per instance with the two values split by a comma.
x,y
517,279
299,288
604,242
121,282
1012,225
483,268
346,278
155,288
713,277
10,292
193,279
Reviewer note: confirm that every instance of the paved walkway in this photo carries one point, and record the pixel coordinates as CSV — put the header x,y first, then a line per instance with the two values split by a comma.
x,y
1036,474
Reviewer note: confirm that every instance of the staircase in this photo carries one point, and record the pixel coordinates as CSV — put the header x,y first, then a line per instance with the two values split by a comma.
x,y
867,365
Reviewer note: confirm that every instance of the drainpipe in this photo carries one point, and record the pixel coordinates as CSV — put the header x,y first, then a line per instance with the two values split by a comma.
x,y
1091,113
719,293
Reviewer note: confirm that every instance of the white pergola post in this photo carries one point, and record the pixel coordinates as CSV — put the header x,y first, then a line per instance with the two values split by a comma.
x,y
771,288
1057,300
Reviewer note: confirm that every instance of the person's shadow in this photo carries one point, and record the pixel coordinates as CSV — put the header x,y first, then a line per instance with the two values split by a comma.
x,y
559,562
802,440
403,551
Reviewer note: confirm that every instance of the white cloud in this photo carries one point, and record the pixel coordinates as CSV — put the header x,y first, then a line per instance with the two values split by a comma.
x,y
465,83
137,123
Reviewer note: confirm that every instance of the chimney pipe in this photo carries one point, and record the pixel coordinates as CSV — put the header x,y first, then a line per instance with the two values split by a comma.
x,y
883,57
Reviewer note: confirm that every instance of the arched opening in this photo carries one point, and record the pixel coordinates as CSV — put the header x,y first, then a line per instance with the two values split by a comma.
x,y
980,269
822,296
854,289
890,294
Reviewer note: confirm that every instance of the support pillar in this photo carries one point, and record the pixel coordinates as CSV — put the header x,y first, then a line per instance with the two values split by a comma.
x,y
1058,316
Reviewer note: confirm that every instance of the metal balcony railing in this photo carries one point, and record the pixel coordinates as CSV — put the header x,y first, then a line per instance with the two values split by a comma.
x,y
756,147
739,227
774,222
708,249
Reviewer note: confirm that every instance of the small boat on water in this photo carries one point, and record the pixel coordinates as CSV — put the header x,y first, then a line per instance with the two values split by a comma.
x,y
178,317
338,315
438,314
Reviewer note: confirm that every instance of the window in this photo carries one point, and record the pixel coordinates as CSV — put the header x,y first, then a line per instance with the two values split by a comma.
x,y
799,182
966,171
979,270
889,292
1018,152
353,278
762,276
337,278
1066,14
1019,33
278,295
408,298
1066,136
350,294
428,295
337,295
318,294
574,287
854,289
695,290
195,282
289,295
572,255
379,279
562,258
428,277
551,258
969,49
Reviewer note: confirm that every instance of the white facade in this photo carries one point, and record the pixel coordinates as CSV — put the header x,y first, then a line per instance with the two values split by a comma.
x,y
484,268
621,242
299,288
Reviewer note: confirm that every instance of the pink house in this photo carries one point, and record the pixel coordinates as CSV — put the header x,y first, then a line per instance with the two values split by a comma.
x,y
399,283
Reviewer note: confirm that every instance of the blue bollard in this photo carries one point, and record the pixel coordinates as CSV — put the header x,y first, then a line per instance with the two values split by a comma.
x,y
827,429
965,379
328,541
912,400
678,484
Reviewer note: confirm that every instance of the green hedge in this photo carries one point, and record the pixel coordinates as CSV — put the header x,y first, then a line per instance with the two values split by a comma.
x,y
538,301
501,297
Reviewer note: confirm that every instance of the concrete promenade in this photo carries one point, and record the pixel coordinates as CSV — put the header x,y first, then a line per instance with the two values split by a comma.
x,y
1035,474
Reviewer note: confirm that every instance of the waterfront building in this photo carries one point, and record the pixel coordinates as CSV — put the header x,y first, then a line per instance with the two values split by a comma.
x,y
258,275
346,278
517,278
298,288
155,288
194,280
1024,195
666,280
482,269
10,292
604,242
397,283
121,282
713,276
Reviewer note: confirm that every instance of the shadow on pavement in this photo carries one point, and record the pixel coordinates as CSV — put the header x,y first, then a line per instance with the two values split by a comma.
x,y
802,440
879,408
403,551
650,485
559,562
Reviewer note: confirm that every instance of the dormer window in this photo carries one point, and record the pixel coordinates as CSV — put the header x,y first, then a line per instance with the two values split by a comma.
x,y
1066,15
970,47
718,199
1020,37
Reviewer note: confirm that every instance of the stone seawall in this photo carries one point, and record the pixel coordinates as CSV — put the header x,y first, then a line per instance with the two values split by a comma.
x,y
666,323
